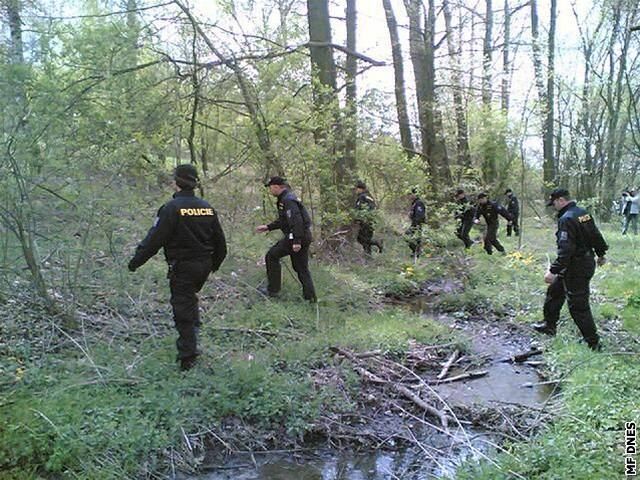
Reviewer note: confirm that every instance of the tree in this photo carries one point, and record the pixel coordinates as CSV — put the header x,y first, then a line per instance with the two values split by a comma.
x,y
399,85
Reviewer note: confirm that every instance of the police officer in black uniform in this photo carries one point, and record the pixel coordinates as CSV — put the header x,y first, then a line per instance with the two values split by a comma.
x,y
513,207
569,275
188,229
364,209
295,223
464,214
490,211
418,217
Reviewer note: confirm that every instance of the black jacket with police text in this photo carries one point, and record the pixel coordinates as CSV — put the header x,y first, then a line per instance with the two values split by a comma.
x,y
490,212
577,236
187,227
418,214
293,218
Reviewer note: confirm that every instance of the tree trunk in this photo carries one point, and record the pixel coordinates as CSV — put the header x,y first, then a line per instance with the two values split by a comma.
x,y
351,70
506,61
398,70
487,55
421,50
328,130
548,165
550,171
462,143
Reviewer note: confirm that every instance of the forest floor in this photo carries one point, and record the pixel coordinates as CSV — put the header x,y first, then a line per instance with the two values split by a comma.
x,y
103,398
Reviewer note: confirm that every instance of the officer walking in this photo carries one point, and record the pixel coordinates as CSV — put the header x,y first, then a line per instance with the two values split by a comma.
x,y
490,210
188,229
464,214
294,221
365,207
418,218
569,275
513,207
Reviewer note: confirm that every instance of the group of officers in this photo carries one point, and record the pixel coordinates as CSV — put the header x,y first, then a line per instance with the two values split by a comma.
x,y
188,229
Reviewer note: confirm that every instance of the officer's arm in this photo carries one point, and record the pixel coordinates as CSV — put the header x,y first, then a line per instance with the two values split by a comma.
x,y
598,242
275,225
156,238
219,244
294,216
566,239
503,211
476,213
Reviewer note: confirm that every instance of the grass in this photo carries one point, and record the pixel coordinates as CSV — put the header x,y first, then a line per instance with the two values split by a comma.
x,y
111,403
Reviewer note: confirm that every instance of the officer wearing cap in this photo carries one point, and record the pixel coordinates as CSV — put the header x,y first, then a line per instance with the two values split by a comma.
x,y
188,229
364,210
569,275
513,207
418,217
464,214
295,223
490,211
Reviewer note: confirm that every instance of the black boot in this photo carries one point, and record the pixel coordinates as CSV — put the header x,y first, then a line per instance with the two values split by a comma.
x,y
187,363
545,328
264,291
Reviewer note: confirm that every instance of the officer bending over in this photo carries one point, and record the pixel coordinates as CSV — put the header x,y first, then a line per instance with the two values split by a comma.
x,y
295,223
364,209
490,211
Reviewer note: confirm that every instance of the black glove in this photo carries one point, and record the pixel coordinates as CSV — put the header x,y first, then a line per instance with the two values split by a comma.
x,y
131,266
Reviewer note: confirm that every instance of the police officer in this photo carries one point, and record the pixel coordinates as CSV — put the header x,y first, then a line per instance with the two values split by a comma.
x,y
418,218
490,211
188,229
365,207
294,221
464,214
513,207
569,275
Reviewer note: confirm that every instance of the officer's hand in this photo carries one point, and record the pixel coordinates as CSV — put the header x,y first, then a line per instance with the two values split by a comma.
x,y
509,222
549,277
476,221
131,267
262,229
296,247
601,261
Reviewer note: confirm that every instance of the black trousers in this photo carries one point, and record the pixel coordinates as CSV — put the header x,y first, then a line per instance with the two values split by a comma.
x,y
186,278
299,261
574,286
413,236
491,239
365,237
464,227
514,226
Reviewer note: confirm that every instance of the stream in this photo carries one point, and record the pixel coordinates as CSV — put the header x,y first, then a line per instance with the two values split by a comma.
x,y
435,454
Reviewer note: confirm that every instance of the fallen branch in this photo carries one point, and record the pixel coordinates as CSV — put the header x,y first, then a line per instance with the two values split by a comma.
x,y
249,330
521,357
401,389
448,364
464,376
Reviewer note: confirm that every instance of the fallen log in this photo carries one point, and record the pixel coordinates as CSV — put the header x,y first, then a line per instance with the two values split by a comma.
x,y
448,364
521,357
464,376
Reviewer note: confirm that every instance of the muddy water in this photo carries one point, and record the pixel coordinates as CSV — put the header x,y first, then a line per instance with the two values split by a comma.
x,y
440,454
440,458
